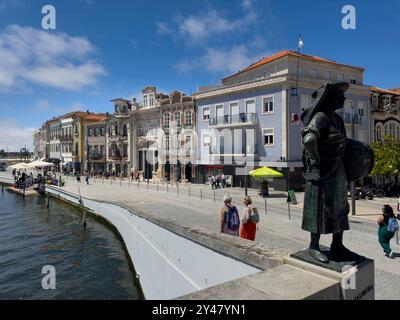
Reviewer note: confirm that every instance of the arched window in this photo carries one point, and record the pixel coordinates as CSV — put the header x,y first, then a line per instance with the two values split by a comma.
x,y
177,119
378,132
167,118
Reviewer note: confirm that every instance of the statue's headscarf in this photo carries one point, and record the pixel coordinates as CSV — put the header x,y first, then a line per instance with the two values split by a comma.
x,y
323,98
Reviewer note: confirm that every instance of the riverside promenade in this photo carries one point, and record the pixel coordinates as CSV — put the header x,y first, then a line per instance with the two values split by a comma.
x,y
194,206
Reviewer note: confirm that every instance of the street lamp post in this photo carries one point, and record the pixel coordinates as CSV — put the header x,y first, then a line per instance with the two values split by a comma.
x,y
352,184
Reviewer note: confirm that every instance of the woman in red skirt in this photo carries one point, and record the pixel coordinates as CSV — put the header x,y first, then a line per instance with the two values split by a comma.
x,y
248,229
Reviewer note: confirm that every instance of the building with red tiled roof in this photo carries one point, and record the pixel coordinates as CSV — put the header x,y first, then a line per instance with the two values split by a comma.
x,y
268,98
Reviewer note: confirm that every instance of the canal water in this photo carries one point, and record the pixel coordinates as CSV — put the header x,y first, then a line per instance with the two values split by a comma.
x,y
89,264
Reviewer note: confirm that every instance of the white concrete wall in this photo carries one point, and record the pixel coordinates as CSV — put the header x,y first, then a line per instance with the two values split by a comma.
x,y
168,266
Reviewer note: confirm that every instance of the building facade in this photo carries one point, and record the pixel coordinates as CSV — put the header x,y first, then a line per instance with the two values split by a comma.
x,y
253,118
118,138
385,106
95,144
178,147
40,144
145,122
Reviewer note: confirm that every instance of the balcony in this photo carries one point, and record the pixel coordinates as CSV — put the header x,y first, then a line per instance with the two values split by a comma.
x,y
66,138
242,119
117,137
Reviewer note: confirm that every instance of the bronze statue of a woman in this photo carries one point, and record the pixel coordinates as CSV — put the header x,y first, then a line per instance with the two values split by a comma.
x,y
331,161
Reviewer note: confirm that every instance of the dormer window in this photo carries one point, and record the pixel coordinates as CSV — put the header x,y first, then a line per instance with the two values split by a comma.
x,y
151,100
117,108
124,108
145,101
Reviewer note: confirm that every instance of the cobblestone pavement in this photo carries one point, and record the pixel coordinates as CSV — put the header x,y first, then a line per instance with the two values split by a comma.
x,y
194,205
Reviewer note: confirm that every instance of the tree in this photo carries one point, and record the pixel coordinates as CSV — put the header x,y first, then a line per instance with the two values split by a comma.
x,y
387,157
3,154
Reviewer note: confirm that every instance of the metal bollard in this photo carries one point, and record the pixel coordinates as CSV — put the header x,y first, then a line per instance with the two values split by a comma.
x,y
167,187
214,195
189,192
157,186
201,194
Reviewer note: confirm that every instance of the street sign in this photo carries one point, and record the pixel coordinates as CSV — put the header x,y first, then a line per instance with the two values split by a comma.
x,y
292,197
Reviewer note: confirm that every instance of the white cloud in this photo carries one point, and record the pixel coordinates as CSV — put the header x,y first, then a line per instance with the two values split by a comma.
x,y
222,61
198,28
14,136
163,28
33,56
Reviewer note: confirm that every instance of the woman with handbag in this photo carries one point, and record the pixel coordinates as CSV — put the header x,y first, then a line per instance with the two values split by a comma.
x,y
248,229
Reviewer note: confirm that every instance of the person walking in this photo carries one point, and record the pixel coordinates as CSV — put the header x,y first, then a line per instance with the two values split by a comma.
x,y
230,221
248,220
223,179
213,181
385,233
87,178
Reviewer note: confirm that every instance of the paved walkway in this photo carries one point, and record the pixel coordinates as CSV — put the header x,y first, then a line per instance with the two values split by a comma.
x,y
193,205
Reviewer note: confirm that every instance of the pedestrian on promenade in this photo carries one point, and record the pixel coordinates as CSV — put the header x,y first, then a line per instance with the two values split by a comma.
x,y
87,178
78,177
385,234
213,182
218,179
230,220
223,179
249,220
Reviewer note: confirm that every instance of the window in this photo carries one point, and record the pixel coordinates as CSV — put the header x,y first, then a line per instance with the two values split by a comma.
x,y
250,106
124,108
206,140
313,73
305,102
375,101
327,75
166,120
167,143
206,114
102,131
268,104
353,80
234,109
96,132
348,104
386,101
188,143
177,119
125,130
125,150
90,132
268,137
145,101
188,118
102,149
340,77
362,108
151,100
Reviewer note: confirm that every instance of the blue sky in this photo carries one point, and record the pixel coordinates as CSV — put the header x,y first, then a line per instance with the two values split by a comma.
x,y
104,49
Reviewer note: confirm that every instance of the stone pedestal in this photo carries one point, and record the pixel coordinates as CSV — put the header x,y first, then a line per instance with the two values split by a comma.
x,y
356,281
